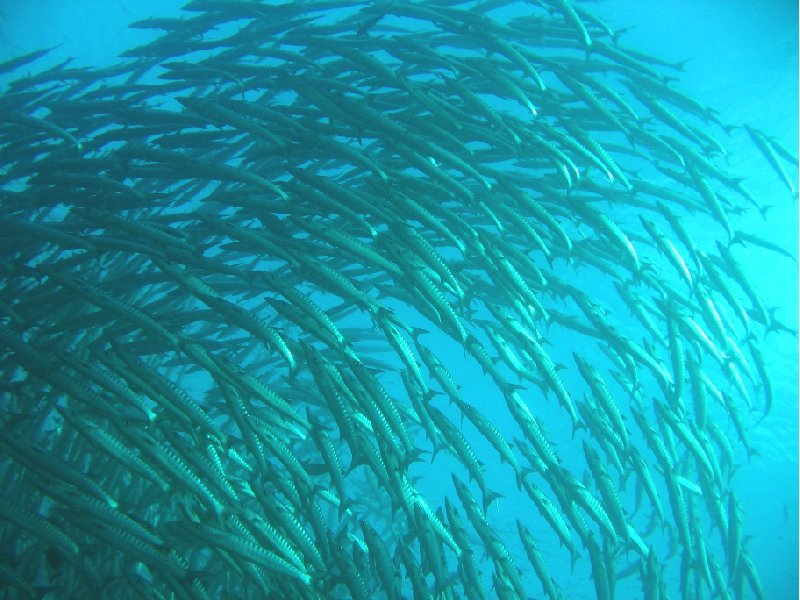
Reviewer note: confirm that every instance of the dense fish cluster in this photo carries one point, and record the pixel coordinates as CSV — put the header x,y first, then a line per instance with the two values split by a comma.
x,y
375,300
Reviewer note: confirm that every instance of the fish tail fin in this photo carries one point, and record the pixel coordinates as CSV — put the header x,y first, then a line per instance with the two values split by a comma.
x,y
573,558
577,425
418,331
488,498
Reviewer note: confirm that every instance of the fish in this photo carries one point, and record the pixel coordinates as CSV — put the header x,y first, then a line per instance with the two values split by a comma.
x,y
267,284
770,150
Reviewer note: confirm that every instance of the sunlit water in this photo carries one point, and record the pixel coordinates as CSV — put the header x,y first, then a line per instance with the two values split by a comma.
x,y
742,60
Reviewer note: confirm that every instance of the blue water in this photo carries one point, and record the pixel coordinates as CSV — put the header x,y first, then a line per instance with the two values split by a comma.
x,y
743,61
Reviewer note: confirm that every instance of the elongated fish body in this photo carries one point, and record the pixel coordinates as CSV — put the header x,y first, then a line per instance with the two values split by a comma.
x,y
287,304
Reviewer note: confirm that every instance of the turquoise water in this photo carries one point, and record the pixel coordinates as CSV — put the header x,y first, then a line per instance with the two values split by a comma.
x,y
742,60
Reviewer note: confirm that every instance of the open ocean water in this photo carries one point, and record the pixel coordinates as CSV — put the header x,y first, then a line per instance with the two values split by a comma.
x,y
741,59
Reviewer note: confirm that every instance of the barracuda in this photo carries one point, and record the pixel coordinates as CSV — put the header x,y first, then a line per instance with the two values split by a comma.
x,y
219,260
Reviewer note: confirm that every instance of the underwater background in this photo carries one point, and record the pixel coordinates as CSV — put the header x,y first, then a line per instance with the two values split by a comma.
x,y
742,60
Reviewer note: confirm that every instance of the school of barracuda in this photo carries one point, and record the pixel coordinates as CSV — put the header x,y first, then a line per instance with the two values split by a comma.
x,y
259,274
